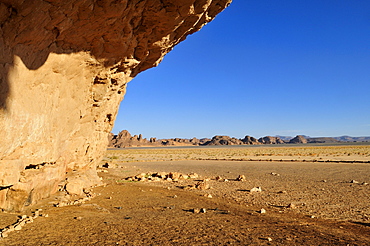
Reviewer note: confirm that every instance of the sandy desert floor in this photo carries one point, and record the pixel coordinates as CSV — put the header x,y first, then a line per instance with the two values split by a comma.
x,y
307,202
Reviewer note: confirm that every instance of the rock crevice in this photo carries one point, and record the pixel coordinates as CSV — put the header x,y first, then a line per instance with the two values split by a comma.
x,y
64,66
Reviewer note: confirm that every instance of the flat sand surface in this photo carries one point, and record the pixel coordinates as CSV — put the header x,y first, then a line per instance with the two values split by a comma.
x,y
306,203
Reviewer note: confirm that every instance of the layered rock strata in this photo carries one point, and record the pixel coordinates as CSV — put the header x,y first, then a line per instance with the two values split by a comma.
x,y
64,66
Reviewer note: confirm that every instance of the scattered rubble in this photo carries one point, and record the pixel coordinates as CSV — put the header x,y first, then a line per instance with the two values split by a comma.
x,y
82,200
162,176
22,221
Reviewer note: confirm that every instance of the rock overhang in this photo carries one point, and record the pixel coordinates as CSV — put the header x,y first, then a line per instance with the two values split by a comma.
x,y
63,72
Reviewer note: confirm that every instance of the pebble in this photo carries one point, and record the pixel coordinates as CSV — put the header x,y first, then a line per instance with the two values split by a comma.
x,y
203,210
262,211
354,182
196,210
275,174
256,189
292,206
241,178
202,185
218,178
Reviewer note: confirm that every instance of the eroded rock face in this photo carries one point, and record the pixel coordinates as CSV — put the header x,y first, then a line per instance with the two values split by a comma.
x,y
64,66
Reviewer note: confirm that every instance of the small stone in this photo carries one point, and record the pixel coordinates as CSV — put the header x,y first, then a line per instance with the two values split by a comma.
x,y
226,180
292,206
196,210
364,183
256,189
202,185
313,216
354,182
17,227
193,175
29,220
241,178
45,215
218,178
174,196
208,195
203,210
262,211
78,218
269,239
275,174
282,192
156,179
324,181
183,177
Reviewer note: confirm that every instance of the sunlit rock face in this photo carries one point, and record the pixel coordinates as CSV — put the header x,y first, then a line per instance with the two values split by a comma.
x,y
64,66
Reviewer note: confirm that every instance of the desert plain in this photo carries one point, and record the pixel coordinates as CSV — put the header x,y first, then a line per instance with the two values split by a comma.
x,y
224,195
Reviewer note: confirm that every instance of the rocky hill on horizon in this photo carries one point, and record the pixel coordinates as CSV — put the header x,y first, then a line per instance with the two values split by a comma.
x,y
124,139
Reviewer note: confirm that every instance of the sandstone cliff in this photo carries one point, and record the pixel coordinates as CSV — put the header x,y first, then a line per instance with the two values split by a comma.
x,y
64,66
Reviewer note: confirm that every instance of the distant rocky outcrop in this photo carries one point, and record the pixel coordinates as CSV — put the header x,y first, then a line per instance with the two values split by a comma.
x,y
352,139
299,139
322,140
124,139
250,140
271,140
224,140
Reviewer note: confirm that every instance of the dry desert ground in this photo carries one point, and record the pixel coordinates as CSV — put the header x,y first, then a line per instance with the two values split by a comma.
x,y
289,195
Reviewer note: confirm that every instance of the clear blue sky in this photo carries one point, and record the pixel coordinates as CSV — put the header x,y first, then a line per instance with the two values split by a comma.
x,y
262,67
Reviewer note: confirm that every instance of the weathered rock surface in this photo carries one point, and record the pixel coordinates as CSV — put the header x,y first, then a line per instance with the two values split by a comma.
x,y
64,66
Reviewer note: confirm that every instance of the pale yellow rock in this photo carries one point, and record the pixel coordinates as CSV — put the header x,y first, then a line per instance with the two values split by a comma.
x,y
64,67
